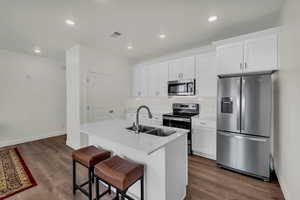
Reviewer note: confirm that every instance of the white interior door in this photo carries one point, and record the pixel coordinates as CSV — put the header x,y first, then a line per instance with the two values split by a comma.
x,y
102,101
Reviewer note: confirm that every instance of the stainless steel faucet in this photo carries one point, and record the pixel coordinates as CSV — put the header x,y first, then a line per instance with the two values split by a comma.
x,y
137,122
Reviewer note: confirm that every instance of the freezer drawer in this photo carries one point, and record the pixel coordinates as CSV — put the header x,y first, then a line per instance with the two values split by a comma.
x,y
226,149
253,155
243,153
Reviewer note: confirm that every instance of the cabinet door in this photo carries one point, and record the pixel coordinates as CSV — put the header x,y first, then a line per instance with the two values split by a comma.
x,y
204,141
162,72
188,69
230,58
175,68
154,80
144,80
137,82
206,75
261,54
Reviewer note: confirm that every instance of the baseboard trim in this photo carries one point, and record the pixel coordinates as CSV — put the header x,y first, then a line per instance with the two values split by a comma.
x,y
208,156
31,138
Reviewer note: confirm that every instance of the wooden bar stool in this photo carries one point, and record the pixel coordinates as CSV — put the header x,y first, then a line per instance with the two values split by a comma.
x,y
120,174
87,157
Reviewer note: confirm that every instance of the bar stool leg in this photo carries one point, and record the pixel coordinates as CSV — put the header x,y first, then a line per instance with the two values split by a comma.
x,y
109,189
93,177
74,177
117,197
90,183
142,188
97,189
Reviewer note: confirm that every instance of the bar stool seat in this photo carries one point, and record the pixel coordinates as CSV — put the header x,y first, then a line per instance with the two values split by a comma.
x,y
88,157
119,173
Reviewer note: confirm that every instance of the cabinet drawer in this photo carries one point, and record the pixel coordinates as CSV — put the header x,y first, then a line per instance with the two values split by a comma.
x,y
197,123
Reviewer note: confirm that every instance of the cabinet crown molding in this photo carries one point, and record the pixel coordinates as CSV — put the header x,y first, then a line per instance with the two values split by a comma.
x,y
275,30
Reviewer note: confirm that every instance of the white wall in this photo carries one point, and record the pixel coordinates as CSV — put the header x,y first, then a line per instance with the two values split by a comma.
x,y
100,64
89,64
32,97
73,96
287,107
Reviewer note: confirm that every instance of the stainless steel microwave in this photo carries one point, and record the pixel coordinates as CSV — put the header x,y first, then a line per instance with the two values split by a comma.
x,y
182,87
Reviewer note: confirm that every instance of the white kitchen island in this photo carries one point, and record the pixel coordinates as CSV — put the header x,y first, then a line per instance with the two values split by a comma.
x,y
165,158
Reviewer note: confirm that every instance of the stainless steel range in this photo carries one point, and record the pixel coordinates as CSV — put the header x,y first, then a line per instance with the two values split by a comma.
x,y
182,118
244,124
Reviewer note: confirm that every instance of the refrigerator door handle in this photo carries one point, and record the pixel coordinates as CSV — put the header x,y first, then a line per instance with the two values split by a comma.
x,y
252,138
243,102
238,107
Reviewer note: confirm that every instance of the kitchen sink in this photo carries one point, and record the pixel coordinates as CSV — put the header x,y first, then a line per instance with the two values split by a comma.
x,y
161,132
142,128
153,130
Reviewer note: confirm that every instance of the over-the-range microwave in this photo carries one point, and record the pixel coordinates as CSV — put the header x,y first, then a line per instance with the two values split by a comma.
x,y
182,87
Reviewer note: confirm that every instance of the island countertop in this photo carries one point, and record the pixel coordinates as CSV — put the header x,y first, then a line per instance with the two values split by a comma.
x,y
115,131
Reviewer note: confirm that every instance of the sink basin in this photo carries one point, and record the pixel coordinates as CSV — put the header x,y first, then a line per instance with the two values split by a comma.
x,y
153,130
142,128
161,132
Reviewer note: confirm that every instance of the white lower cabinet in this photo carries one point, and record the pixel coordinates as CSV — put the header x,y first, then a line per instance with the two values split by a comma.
x,y
204,141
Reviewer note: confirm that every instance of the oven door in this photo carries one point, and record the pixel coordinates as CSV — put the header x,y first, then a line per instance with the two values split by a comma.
x,y
181,88
176,122
183,123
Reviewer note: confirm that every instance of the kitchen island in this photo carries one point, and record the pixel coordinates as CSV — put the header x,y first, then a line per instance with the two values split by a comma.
x,y
165,158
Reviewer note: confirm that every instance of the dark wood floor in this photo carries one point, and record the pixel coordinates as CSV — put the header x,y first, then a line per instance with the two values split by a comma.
x,y
49,161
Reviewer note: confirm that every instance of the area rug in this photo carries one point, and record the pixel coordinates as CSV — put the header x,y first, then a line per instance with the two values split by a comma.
x,y
15,176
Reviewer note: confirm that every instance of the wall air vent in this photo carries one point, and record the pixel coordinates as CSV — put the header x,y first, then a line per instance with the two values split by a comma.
x,y
116,34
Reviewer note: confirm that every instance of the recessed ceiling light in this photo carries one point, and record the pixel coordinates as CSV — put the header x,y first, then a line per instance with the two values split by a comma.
x,y
212,18
70,22
37,50
162,36
129,47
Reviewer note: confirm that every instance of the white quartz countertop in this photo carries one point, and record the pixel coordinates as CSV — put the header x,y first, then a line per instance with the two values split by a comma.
x,y
115,131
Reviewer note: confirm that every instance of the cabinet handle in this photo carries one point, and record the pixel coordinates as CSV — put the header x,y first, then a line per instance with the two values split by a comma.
x,y
246,65
241,66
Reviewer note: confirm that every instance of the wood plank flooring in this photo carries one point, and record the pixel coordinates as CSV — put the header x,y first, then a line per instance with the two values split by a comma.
x,y
49,161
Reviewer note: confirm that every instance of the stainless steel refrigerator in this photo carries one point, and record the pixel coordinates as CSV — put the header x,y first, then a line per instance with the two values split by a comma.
x,y
244,124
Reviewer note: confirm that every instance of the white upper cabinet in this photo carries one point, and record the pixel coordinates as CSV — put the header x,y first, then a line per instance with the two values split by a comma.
x,y
206,74
158,79
163,79
140,81
188,71
256,52
175,67
230,58
261,54
183,68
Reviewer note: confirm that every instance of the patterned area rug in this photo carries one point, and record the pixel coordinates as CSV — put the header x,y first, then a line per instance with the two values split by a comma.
x,y
14,174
